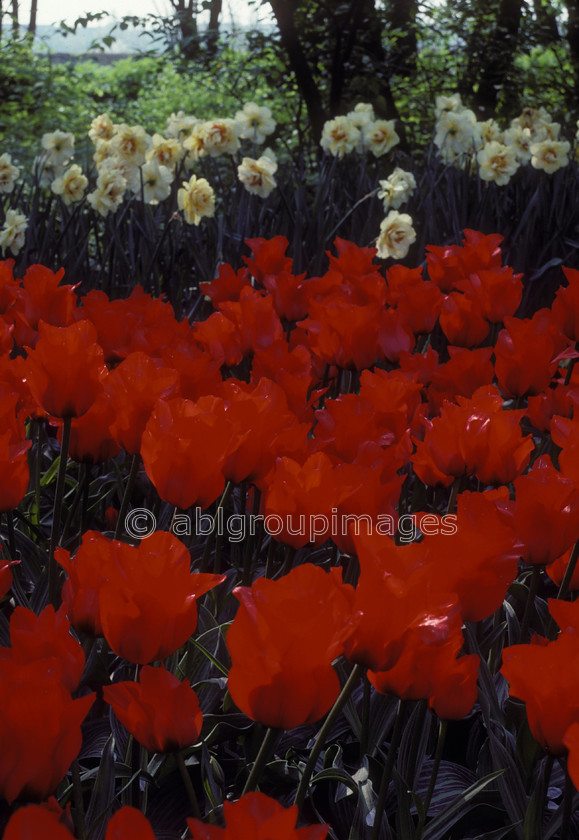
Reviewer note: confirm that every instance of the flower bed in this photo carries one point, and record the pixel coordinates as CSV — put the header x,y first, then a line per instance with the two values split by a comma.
x,y
319,544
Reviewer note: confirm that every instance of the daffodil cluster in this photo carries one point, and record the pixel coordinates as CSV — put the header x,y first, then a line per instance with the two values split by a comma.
x,y
532,137
359,131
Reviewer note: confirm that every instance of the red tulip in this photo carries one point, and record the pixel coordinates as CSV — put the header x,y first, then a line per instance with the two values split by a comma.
x,y
475,437
66,370
394,602
269,257
41,298
370,493
348,423
561,400
146,602
91,437
45,636
227,285
418,301
498,291
449,265
545,675
571,741
85,574
14,470
489,550
160,712
565,307
254,414
134,387
9,287
138,322
344,333
199,373
359,277
545,513
462,321
273,270
300,500
291,369
526,354
256,817
40,732
429,668
184,447
37,821
282,642
256,323
465,372
6,576
127,824
557,569
142,599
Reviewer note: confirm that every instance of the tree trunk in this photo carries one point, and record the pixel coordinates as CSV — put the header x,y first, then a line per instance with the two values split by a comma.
x,y
15,21
546,22
213,32
402,20
186,13
344,30
284,14
32,23
573,39
371,45
498,57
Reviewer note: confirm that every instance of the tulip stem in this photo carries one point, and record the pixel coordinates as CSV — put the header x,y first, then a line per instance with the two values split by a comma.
x,y
570,367
497,647
534,585
271,551
56,513
191,795
541,792
453,494
81,497
415,743
127,494
333,714
38,469
567,803
365,727
79,822
11,540
253,541
387,772
219,535
428,798
264,753
551,631
213,535
569,571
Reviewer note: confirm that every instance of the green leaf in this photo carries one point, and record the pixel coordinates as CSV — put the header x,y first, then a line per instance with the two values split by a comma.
x,y
50,474
555,823
334,774
497,834
437,829
103,793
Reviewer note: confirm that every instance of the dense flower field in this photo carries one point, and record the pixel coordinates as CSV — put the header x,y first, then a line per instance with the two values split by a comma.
x,y
290,483
370,616
161,207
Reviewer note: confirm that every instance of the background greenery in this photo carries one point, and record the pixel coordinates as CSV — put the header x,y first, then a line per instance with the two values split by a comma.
x,y
317,60
320,58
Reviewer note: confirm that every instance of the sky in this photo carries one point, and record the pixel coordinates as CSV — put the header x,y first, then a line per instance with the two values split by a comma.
x,y
69,10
